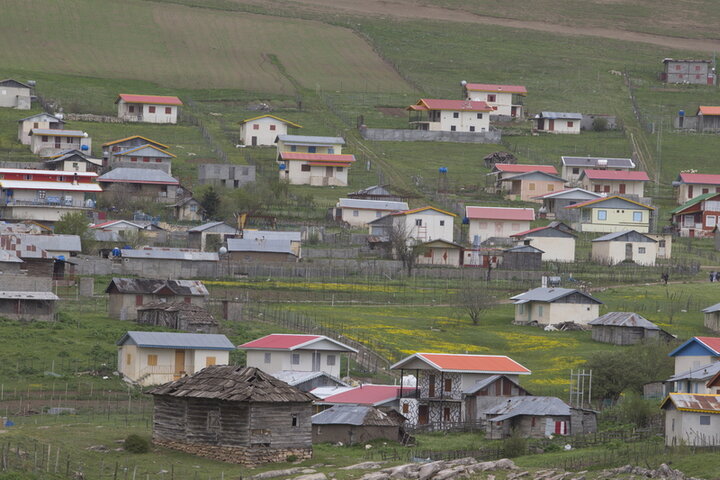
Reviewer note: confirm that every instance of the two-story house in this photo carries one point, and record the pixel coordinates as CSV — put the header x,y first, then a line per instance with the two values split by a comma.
x,y
315,169
263,130
694,71
525,187
73,161
38,121
572,167
148,108
125,295
47,142
614,182
548,306
417,225
117,147
279,352
450,115
502,222
695,353
143,156
554,203
45,195
698,217
503,99
147,183
445,380
309,144
612,214
691,185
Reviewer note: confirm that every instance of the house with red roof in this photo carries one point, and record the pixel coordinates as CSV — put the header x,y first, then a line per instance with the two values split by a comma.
x,y
708,119
691,185
525,182
148,108
697,217
280,352
614,182
380,396
502,222
557,241
447,383
695,353
505,100
450,115
315,169
418,225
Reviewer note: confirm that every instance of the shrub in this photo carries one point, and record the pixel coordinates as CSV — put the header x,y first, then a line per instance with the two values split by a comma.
x,y
515,445
599,124
136,444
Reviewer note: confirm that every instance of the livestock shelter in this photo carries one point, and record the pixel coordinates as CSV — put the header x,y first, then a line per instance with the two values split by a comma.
x,y
126,294
187,317
28,305
522,257
353,424
233,414
626,328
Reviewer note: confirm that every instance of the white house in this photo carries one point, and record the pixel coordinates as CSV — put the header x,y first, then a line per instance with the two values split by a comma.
x,y
358,213
692,185
153,358
309,144
264,130
624,246
503,222
692,419
279,352
695,353
572,167
73,161
315,169
14,94
47,142
548,306
504,99
557,122
696,380
148,108
41,120
418,225
614,182
556,241
450,115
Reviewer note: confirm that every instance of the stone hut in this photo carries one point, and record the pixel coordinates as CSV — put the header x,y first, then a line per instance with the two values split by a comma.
x,y
233,414
183,316
625,328
353,424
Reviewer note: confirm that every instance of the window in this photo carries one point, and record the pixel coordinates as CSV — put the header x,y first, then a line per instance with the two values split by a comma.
x,y
442,223
330,359
312,149
138,300
448,385
296,359
697,68
378,214
146,160
45,138
268,357
158,160
453,128
710,220
152,361
41,194
168,110
356,213
705,190
576,171
491,97
550,187
133,159
210,361
677,67
293,148
418,222
256,127
405,408
331,150
532,422
131,108
637,217
472,129
541,310
294,420
213,420
531,187
479,116
704,419
602,214
570,124
151,109
339,169
456,115
522,308
128,359
305,168
680,75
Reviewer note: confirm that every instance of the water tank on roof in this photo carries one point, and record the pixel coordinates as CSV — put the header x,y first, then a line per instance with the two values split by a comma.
x,y
442,169
282,167
61,258
681,113
84,148
116,252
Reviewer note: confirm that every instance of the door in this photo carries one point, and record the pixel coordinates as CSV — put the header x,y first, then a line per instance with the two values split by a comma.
x,y
431,386
253,141
423,415
513,111
541,124
316,362
328,171
628,252
179,363
621,188
551,125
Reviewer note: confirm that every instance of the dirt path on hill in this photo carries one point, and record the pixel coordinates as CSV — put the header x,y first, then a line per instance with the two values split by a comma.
x,y
410,9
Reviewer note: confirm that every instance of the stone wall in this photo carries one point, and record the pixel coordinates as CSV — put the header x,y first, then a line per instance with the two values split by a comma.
x,y
406,135
248,456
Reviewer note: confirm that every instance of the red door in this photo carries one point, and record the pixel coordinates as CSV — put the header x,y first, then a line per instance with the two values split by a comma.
x,y
423,415
621,188
551,125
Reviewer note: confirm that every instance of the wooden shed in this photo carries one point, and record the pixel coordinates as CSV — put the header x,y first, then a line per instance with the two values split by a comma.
x,y
625,328
538,417
353,424
712,316
233,414
522,257
187,317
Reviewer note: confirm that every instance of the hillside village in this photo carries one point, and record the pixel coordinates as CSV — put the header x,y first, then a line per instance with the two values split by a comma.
x,y
463,272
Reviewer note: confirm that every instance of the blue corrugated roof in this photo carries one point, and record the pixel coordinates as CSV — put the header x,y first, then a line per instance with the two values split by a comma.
x,y
185,341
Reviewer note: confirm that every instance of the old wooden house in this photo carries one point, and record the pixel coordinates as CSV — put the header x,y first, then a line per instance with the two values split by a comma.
x,y
538,417
183,316
488,393
353,424
28,306
127,294
626,328
522,257
234,414
712,317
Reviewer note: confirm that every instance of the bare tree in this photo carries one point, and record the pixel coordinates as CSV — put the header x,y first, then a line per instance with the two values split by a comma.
x,y
474,300
404,247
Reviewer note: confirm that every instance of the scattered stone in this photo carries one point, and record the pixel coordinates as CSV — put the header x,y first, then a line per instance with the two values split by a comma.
x,y
98,448
279,473
514,476
363,466
312,476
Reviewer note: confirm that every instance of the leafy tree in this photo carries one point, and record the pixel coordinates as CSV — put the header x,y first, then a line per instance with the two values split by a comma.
x,y
210,201
76,223
404,247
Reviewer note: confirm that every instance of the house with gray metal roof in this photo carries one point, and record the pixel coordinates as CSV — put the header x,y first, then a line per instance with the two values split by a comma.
x,y
28,306
309,144
307,381
359,212
47,142
39,120
557,122
537,417
695,380
572,167
73,161
14,94
125,295
628,246
626,328
355,424
712,317
146,183
259,250
211,235
153,358
549,306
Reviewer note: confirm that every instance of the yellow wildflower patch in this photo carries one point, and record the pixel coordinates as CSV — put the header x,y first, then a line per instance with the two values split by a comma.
x,y
524,342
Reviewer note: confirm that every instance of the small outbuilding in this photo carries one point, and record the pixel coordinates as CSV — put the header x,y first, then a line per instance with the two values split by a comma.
x,y
624,246
522,257
712,317
692,419
530,417
233,414
626,328
548,306
127,294
440,252
27,306
557,122
210,236
179,316
353,424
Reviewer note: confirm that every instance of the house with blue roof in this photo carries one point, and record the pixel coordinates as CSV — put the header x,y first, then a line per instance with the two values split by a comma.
x,y
154,358
695,353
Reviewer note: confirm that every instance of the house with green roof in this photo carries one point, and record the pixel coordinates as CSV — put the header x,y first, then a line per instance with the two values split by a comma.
x,y
697,217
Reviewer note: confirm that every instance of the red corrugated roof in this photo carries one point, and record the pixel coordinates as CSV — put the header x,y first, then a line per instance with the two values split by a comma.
x,y
491,87
318,157
616,175
507,167
422,209
705,110
532,230
367,395
156,99
700,178
474,363
500,213
438,104
279,341
712,342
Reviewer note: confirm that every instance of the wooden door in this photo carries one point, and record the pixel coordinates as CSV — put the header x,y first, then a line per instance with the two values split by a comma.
x,y
628,252
179,363
253,141
423,415
621,188
431,386
551,125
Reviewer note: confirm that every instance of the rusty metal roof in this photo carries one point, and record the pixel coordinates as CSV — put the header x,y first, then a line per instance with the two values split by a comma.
x,y
624,319
354,415
151,286
528,405
693,402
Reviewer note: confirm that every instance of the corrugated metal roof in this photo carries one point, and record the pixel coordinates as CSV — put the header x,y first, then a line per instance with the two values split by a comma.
x,y
171,254
499,213
550,295
287,122
213,225
57,133
155,99
712,308
286,341
597,201
44,114
354,415
54,173
693,402
185,341
293,377
597,161
6,256
523,249
371,204
367,395
572,194
708,110
138,175
150,286
55,186
489,381
339,158
699,178
520,168
272,235
53,243
9,82
528,405
711,344
375,190
28,296
624,319
71,154
146,150
460,105
703,372
620,175
126,139
616,236
491,87
311,140
560,115
260,245
533,175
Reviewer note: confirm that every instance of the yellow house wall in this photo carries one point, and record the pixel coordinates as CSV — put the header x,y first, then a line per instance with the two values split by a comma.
x,y
573,312
631,188
453,257
533,188
617,220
